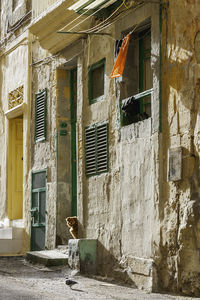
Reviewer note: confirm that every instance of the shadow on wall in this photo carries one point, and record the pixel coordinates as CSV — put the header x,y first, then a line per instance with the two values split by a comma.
x,y
109,266
179,210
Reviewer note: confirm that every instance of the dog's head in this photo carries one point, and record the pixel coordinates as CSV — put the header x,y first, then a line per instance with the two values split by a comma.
x,y
71,221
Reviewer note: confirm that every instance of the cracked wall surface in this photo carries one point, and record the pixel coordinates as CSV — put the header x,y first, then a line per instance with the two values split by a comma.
x,y
179,208
145,218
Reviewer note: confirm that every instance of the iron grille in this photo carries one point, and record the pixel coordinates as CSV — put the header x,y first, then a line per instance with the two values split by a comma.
x,y
96,149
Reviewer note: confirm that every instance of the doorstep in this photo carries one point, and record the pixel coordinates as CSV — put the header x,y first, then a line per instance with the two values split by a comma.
x,y
47,257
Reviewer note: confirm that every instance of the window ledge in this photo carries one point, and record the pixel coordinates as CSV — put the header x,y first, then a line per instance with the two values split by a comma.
x,y
98,99
139,96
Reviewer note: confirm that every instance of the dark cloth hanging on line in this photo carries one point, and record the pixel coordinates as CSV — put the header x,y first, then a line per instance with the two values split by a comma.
x,y
118,44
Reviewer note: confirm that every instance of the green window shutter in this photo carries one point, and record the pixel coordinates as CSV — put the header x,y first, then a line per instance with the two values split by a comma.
x,y
40,115
90,150
96,149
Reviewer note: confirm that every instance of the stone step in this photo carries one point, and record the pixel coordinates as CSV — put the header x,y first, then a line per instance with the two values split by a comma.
x,y
63,249
47,257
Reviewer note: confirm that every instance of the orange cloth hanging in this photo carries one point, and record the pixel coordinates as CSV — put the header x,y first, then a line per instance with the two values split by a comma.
x,y
121,58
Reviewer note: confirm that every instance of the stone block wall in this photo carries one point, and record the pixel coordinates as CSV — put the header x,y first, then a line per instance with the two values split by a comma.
x,y
179,209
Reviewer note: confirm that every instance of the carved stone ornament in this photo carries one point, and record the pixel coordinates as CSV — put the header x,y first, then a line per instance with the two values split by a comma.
x,y
16,97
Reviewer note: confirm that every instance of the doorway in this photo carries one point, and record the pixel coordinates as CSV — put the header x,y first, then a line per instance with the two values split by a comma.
x,y
38,210
73,108
15,169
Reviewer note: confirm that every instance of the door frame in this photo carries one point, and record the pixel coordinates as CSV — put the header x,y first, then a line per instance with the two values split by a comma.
x,y
73,111
38,190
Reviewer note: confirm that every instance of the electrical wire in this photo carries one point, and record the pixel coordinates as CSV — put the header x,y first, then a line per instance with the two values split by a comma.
x,y
124,3
91,16
84,13
104,25
120,15
20,22
92,29
85,19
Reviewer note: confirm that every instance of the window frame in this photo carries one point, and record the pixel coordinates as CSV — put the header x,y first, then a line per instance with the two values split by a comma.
x,y
142,93
93,67
36,210
38,191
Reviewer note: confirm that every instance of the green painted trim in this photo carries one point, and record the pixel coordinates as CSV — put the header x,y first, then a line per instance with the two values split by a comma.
x,y
38,225
141,70
91,68
73,112
143,94
44,92
142,57
57,145
95,127
37,191
39,171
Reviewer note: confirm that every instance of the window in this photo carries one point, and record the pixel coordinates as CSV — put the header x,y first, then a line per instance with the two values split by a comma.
x,y
40,115
96,149
96,81
137,80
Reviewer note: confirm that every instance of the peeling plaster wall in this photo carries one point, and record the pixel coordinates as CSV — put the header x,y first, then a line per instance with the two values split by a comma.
x,y
54,154
120,208
147,226
14,72
179,209
44,153
64,186
10,65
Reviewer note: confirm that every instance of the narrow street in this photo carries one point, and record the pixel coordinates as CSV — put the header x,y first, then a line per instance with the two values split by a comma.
x,y
20,280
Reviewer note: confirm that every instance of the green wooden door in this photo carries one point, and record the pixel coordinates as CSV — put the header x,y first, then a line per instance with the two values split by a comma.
x,y
73,94
38,210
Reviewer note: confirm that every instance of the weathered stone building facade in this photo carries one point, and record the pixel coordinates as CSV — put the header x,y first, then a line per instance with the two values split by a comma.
x,y
122,154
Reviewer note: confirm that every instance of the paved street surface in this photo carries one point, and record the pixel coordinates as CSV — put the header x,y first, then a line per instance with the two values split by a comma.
x,y
20,280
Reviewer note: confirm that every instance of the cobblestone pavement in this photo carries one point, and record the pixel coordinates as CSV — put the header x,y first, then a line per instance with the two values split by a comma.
x,y
20,280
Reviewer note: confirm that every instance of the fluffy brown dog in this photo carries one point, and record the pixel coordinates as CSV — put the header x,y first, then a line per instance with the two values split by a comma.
x,y
72,223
